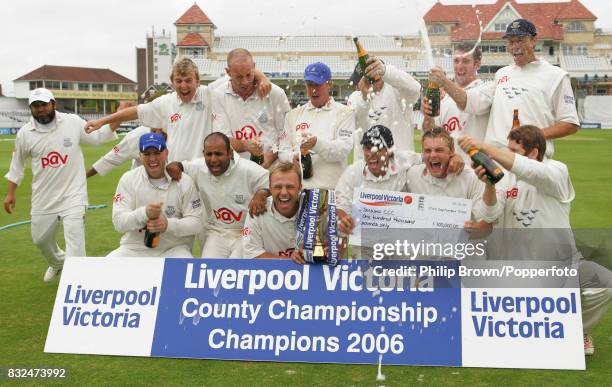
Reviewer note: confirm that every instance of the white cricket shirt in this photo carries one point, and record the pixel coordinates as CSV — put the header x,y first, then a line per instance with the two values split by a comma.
x,y
226,197
541,92
391,107
333,125
181,206
269,232
358,175
127,149
253,118
459,123
58,167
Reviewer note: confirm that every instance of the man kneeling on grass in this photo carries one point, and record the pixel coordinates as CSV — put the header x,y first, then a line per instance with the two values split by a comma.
x,y
148,199
272,234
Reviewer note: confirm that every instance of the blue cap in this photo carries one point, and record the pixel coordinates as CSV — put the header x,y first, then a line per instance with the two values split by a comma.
x,y
152,140
318,73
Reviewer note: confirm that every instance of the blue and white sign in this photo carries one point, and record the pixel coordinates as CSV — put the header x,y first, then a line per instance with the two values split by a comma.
x,y
275,310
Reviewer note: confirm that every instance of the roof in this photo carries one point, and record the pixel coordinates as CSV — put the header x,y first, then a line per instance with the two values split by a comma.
x,y
194,15
193,39
544,15
75,74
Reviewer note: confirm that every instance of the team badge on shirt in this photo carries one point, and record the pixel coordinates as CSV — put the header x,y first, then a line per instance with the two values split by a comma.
x,y
170,211
67,142
525,217
263,117
376,114
199,106
239,198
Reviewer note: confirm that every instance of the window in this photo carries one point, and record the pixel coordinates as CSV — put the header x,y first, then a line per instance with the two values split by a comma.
x,y
128,88
581,50
52,85
437,29
97,87
188,28
155,60
67,86
500,27
602,91
567,50
575,27
35,84
113,88
84,86
155,44
493,48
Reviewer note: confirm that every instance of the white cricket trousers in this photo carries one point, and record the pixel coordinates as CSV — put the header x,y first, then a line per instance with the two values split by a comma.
x,y
224,244
46,227
595,293
138,251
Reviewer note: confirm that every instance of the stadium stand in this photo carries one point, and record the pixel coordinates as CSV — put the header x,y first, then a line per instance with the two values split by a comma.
x,y
585,63
225,44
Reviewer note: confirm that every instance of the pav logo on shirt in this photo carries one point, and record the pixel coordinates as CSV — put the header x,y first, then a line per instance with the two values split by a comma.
x,y
175,117
452,124
227,216
118,198
302,126
247,132
54,160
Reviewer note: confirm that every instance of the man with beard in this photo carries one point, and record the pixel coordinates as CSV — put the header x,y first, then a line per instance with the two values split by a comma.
x,y
541,92
250,121
59,190
272,234
185,114
466,63
148,199
226,183
387,101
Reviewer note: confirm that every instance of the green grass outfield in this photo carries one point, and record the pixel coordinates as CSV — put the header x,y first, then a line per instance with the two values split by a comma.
x,y
26,305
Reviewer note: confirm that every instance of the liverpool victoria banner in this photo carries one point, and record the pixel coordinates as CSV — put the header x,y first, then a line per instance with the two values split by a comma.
x,y
394,312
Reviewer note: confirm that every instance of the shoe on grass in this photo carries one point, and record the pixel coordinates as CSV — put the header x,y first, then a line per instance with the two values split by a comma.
x,y
589,347
53,272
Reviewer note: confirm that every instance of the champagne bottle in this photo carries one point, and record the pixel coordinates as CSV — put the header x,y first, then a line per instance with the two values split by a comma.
x,y
493,171
151,239
362,56
257,159
515,120
433,98
306,160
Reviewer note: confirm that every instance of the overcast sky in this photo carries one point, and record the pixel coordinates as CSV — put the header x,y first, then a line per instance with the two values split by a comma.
x,y
105,33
